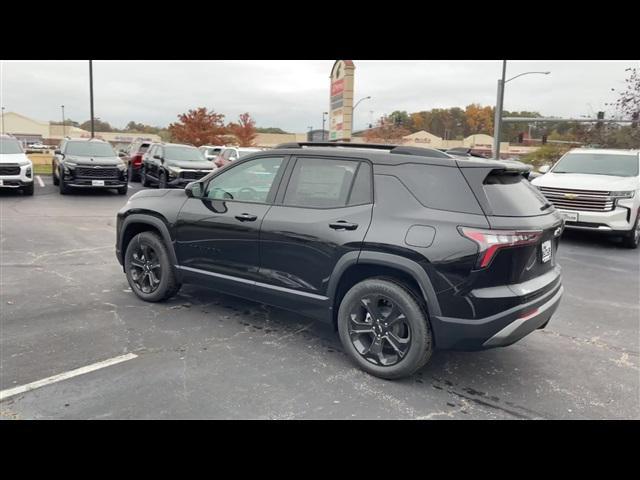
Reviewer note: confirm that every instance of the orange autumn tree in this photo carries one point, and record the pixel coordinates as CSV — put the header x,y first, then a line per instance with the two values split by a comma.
x,y
199,127
479,119
387,132
244,131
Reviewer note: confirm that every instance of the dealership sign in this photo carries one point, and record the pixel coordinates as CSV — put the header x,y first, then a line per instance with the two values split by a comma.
x,y
341,100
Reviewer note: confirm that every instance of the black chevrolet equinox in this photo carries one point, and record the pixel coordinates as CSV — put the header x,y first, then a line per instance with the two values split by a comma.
x,y
401,251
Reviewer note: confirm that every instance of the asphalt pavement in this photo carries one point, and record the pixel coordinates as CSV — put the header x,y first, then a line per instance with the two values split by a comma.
x,y
65,305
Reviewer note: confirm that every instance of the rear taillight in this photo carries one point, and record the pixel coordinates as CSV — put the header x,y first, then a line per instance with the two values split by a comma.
x,y
490,241
137,159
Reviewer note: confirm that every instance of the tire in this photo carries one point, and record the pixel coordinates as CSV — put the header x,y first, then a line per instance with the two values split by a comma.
x,y
162,182
167,286
56,180
123,190
64,189
413,329
143,178
28,190
632,239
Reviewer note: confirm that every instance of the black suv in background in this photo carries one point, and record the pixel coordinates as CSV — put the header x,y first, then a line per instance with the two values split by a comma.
x,y
90,163
403,253
173,165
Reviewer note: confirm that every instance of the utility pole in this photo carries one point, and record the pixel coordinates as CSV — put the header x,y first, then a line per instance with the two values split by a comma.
x,y
64,131
91,95
323,120
3,120
497,122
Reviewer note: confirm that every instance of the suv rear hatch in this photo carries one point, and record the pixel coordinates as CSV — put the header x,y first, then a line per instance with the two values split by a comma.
x,y
524,232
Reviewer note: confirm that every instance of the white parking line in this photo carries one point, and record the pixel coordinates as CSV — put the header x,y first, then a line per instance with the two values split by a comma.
x,y
40,181
64,376
132,186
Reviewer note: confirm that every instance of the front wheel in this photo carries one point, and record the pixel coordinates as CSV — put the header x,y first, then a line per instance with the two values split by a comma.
x,y
64,189
148,268
632,239
56,181
123,190
28,190
384,329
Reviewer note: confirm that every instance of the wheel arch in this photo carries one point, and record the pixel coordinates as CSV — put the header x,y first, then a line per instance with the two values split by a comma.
x,y
137,223
355,267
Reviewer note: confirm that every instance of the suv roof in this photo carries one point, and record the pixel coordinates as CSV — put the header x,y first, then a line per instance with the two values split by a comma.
x,y
606,151
388,154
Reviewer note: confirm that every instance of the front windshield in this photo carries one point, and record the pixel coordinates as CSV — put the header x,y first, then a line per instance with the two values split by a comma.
x,y
598,164
183,154
10,146
89,149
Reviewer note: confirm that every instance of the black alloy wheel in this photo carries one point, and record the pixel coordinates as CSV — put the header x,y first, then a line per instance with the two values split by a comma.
x,y
145,267
379,330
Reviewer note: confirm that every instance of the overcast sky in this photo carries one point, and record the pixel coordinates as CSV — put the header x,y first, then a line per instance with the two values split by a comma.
x,y
293,94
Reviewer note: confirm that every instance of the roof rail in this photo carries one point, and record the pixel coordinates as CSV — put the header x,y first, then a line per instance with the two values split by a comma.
x,y
374,146
396,149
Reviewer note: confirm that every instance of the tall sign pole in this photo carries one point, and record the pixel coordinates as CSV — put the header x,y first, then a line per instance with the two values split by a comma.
x,y
341,101
91,94
497,123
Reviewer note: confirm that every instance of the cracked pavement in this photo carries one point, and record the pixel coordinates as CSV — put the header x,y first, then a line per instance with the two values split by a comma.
x,y
65,303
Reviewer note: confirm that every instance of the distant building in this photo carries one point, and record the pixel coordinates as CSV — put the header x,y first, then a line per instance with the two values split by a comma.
x,y
28,130
480,143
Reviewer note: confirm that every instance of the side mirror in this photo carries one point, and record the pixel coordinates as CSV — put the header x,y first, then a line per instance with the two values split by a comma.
x,y
58,152
122,154
544,168
193,190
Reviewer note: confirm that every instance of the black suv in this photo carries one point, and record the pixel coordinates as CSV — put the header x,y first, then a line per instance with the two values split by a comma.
x,y
402,252
173,165
88,163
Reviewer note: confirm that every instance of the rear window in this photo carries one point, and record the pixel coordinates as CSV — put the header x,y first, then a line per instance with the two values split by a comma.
x,y
439,187
512,195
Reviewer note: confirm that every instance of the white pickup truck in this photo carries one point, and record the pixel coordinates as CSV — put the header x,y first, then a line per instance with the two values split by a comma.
x,y
596,190
16,170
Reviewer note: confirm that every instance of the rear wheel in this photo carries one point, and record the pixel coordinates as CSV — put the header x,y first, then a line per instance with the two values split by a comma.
x,y
632,239
384,329
148,268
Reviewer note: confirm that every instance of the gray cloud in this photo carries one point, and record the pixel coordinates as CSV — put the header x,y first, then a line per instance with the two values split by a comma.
x,y
293,94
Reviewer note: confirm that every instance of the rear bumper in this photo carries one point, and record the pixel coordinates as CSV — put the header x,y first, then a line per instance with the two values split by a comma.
x,y
502,329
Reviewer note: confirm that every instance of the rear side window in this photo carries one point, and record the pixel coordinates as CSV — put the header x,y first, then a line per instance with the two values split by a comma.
x,y
320,183
439,187
512,195
361,190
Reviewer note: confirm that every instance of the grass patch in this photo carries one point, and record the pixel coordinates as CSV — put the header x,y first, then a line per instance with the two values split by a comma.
x,y
42,169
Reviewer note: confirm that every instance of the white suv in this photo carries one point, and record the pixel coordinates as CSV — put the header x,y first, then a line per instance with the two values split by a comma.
x,y
597,190
16,170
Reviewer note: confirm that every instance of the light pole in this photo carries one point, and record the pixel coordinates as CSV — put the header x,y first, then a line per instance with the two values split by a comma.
x,y
354,109
497,124
323,120
3,120
91,93
64,132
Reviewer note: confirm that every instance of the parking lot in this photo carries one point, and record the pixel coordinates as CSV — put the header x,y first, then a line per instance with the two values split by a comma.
x,y
66,304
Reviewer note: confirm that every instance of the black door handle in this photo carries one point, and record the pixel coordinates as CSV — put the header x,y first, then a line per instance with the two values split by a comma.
x,y
246,217
342,225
